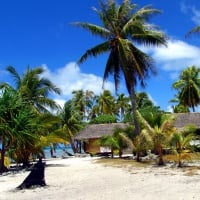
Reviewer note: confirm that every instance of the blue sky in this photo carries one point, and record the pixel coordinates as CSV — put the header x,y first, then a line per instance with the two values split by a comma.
x,y
38,33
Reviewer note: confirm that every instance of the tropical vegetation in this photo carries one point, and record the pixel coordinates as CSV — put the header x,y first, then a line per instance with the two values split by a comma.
x,y
30,118
124,26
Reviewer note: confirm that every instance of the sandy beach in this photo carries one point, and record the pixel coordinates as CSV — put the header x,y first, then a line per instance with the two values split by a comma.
x,y
86,179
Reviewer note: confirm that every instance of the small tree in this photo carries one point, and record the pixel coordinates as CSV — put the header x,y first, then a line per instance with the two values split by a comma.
x,y
115,141
180,143
142,143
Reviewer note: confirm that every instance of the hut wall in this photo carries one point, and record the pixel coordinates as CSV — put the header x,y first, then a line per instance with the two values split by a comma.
x,y
92,146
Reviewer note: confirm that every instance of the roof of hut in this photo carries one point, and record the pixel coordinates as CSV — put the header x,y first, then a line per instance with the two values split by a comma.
x,y
183,119
98,130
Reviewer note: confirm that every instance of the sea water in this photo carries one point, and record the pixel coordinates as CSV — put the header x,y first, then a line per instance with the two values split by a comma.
x,y
58,152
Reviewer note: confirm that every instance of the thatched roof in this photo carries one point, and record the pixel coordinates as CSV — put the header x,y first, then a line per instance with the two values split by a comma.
x,y
98,130
184,119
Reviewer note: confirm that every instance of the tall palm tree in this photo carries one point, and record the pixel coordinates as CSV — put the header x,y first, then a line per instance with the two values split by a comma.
x,y
125,26
71,123
188,87
106,103
143,100
122,104
83,102
34,89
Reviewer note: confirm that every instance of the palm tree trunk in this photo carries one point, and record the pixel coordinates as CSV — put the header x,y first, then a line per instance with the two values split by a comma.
x,y
179,160
112,153
120,152
3,168
134,108
138,156
160,152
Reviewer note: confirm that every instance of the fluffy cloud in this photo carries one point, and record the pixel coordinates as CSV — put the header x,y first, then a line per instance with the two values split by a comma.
x,y
175,57
70,78
191,10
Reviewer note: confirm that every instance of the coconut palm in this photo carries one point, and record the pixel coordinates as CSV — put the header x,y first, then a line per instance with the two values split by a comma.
x,y
188,87
105,103
122,104
143,100
34,89
83,102
122,25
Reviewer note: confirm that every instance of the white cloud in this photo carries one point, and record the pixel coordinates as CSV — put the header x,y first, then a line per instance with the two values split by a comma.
x,y
189,9
70,78
175,57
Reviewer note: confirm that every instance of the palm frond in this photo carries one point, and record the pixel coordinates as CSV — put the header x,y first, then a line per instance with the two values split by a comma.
x,y
15,75
194,30
94,29
99,49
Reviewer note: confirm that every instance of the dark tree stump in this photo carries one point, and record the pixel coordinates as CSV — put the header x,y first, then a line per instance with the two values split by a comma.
x,y
36,176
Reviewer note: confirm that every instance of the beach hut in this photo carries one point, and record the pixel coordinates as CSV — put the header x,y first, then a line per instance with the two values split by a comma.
x,y
184,119
90,135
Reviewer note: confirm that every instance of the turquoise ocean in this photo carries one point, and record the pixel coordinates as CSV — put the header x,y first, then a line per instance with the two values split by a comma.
x,y
58,152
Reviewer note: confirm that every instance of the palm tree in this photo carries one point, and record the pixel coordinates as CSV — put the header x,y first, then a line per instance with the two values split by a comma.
x,y
9,105
106,103
188,87
160,133
143,100
71,123
115,141
18,126
122,104
180,142
123,25
34,89
142,143
83,102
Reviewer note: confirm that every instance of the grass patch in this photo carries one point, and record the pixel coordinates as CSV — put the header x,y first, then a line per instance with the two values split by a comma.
x,y
191,171
123,163
189,157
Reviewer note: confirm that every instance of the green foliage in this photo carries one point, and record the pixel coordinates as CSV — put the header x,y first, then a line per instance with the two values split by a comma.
x,y
188,87
102,119
124,26
180,143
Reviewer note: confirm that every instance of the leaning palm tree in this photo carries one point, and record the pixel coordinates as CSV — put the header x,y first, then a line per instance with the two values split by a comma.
x,y
188,87
125,26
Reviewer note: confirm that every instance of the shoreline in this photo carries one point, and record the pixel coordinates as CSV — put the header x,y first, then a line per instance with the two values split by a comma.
x,y
83,178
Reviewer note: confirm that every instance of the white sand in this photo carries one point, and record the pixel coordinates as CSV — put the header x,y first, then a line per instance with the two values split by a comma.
x,y
83,179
